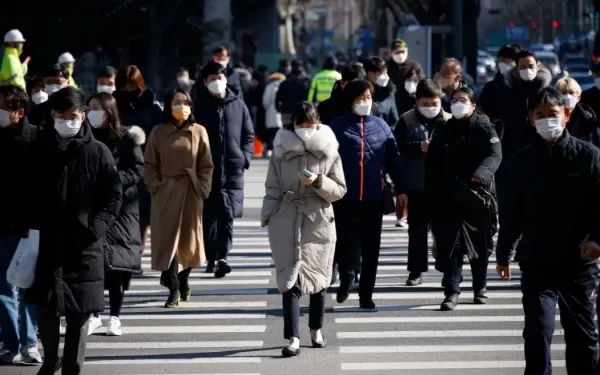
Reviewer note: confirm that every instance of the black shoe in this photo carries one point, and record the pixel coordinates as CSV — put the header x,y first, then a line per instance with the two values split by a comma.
x,y
45,370
450,302
210,267
318,345
414,279
367,304
222,269
343,292
173,300
481,297
289,351
354,286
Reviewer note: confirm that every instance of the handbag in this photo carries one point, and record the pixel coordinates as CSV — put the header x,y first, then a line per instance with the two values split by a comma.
x,y
389,205
21,271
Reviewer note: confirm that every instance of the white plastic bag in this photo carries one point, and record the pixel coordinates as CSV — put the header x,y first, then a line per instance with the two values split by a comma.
x,y
21,271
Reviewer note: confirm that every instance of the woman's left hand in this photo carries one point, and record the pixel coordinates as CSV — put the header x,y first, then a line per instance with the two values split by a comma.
x,y
308,180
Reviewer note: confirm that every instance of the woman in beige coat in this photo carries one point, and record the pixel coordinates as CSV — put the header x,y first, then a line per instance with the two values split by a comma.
x,y
305,176
178,173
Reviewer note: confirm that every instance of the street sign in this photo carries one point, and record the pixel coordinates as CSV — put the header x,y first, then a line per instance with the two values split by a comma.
x,y
518,33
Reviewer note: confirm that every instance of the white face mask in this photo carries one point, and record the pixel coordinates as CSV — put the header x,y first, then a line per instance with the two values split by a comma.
x,y
51,89
67,128
549,128
400,58
429,112
597,83
4,120
305,133
505,68
410,86
106,89
570,101
382,80
96,118
527,74
225,63
363,108
183,80
39,97
217,86
460,110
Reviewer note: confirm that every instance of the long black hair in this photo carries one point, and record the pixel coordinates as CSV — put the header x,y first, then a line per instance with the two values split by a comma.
x,y
109,105
168,110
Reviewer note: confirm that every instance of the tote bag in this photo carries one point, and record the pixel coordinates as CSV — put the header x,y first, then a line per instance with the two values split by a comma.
x,y
21,271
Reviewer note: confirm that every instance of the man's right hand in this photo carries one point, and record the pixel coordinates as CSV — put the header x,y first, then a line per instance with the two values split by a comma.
x,y
425,145
503,271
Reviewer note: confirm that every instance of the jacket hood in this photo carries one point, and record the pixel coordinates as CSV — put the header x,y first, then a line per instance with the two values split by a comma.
x,y
276,77
542,79
136,135
288,145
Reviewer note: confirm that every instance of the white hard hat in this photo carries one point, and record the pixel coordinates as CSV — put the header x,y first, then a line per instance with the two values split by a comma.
x,y
66,58
13,35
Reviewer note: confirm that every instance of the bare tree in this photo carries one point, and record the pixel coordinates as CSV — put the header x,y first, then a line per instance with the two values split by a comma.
x,y
287,10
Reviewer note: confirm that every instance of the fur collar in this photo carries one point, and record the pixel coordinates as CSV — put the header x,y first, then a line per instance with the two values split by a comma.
x,y
543,78
288,145
136,134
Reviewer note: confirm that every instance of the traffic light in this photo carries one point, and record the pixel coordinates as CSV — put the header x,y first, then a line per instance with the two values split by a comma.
x,y
511,24
555,24
534,25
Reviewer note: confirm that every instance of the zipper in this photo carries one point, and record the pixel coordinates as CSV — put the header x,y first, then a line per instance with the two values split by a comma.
x,y
362,158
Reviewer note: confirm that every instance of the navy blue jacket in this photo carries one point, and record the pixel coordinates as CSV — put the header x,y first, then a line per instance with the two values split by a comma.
x,y
231,135
363,174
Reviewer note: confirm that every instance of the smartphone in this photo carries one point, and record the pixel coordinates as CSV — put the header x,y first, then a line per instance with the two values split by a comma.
x,y
307,173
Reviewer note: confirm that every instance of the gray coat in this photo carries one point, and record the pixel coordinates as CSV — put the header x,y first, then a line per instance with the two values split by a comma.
x,y
300,217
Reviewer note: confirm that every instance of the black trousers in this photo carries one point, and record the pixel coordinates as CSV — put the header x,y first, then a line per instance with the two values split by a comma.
x,y
291,311
358,228
575,297
271,133
114,284
218,233
418,230
173,279
75,341
453,275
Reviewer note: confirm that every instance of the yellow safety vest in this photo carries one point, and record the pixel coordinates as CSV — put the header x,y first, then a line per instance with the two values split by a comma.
x,y
322,85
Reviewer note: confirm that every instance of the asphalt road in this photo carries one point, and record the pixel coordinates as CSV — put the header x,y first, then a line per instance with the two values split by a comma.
x,y
234,325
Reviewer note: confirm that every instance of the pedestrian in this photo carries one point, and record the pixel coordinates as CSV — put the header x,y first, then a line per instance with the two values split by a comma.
x,y
385,90
137,106
178,172
76,196
462,157
399,64
106,80
292,91
558,259
405,95
333,107
17,317
273,117
413,135
222,55
583,122
323,82
368,151
55,78
305,177
591,96
231,135
67,60
12,70
450,79
123,256
35,91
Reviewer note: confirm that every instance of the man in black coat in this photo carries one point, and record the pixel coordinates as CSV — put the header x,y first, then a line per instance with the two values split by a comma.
x,y
334,107
591,96
450,79
18,336
292,91
222,56
558,257
55,78
77,196
231,133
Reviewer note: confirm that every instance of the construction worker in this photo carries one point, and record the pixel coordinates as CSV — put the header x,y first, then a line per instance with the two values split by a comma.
x,y
323,82
13,71
68,61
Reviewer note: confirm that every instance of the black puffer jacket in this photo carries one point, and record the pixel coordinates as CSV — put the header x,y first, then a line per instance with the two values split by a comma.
x,y
584,124
334,107
123,240
76,198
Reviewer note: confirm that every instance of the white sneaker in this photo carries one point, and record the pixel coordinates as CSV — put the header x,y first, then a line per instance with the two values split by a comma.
x,y
114,327
401,223
95,323
31,354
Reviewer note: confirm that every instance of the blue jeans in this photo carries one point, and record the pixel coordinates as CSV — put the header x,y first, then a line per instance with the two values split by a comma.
x,y
15,332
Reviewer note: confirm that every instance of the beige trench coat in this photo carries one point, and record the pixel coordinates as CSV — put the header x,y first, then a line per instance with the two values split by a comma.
x,y
178,173
300,217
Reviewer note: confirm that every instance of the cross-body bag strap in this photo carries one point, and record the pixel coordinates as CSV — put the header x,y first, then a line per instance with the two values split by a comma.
x,y
375,158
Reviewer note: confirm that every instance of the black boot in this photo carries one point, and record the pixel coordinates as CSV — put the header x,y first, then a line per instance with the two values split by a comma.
x,y
450,302
343,292
414,279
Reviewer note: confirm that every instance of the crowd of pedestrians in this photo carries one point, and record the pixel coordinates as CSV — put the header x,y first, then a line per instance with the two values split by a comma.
x,y
94,172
